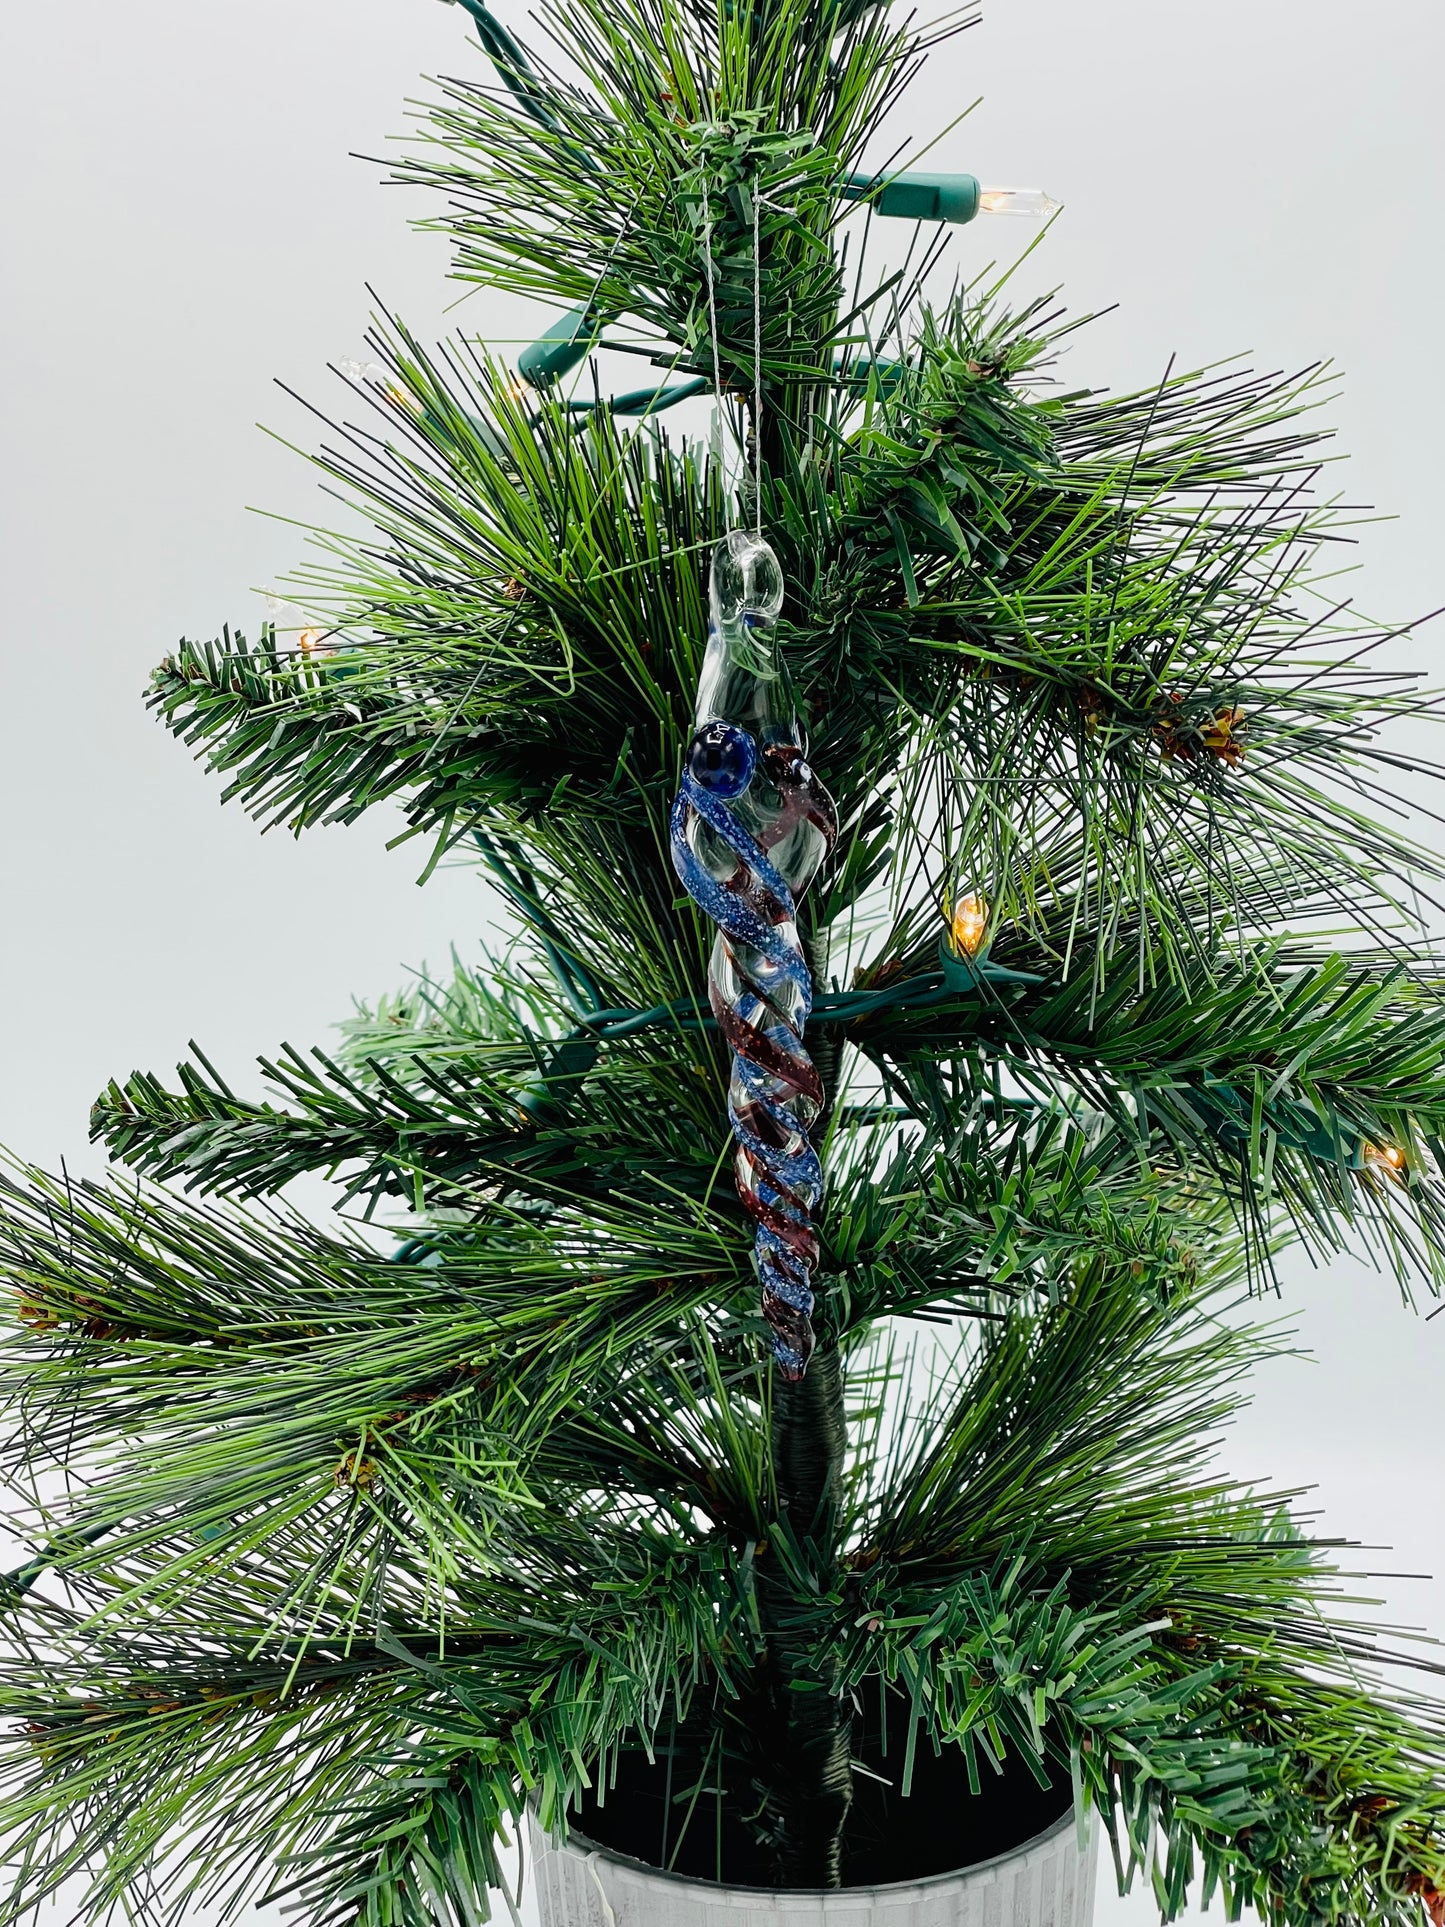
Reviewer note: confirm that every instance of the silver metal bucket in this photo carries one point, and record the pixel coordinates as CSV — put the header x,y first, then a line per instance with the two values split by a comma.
x,y
1046,1882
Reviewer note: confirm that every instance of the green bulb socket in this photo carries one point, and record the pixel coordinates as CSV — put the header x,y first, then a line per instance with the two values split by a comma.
x,y
916,197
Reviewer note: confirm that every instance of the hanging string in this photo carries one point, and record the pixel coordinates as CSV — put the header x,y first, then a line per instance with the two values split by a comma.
x,y
710,271
717,387
757,361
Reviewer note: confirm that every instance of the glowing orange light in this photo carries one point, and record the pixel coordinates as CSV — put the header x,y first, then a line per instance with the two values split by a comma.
x,y
308,641
1388,1158
969,923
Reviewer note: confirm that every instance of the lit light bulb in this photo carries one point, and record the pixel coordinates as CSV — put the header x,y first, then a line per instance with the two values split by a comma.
x,y
1388,1158
309,642
1031,201
285,619
968,924
366,374
371,374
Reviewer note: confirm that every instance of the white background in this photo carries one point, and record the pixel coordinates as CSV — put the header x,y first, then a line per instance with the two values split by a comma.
x,y
182,223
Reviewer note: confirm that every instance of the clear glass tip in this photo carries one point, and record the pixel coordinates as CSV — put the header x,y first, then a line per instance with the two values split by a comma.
x,y
1030,201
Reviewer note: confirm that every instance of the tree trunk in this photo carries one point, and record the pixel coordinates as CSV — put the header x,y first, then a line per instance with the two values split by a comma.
x,y
810,1774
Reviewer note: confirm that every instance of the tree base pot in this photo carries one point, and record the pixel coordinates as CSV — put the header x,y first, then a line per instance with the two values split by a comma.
x,y
1046,1882
1007,1855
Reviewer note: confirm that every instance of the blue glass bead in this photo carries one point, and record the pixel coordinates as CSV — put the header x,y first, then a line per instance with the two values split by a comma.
x,y
722,759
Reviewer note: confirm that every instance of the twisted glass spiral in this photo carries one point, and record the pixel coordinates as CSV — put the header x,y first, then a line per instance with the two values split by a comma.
x,y
750,826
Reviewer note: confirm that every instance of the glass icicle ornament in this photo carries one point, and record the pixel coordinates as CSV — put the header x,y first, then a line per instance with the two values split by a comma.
x,y
750,826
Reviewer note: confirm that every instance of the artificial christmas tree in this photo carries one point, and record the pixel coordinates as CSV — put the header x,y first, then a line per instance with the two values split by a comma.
x,y
1064,973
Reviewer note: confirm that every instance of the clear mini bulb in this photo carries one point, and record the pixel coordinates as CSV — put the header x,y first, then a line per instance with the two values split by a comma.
x,y
364,374
968,926
1030,201
371,374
